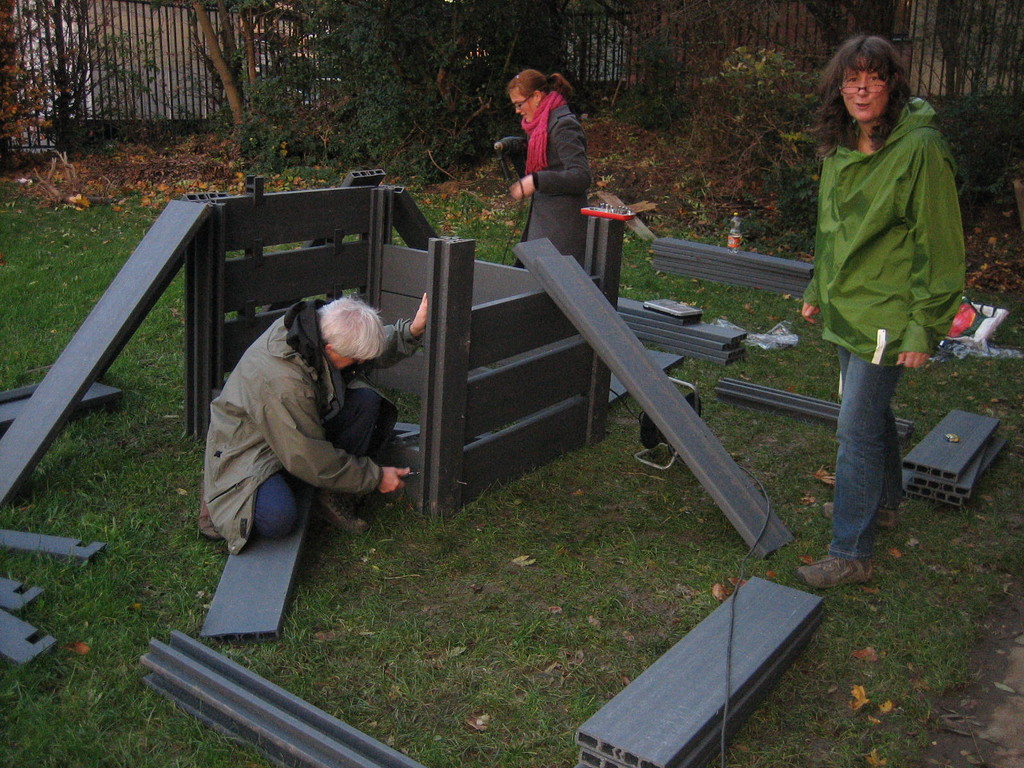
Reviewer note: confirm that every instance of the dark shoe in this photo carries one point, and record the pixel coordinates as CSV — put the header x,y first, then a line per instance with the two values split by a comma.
x,y
886,518
206,528
833,571
339,509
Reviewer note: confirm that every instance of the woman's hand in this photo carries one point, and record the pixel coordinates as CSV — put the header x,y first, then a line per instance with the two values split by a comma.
x,y
912,359
809,311
419,322
523,188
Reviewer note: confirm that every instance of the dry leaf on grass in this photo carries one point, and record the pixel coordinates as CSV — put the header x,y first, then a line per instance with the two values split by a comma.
x,y
868,654
823,475
523,561
720,592
479,722
79,647
860,697
874,760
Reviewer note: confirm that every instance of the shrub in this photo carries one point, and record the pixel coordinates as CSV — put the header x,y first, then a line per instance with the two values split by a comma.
x,y
985,167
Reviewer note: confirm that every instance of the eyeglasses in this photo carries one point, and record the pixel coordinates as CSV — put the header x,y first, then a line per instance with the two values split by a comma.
x,y
873,88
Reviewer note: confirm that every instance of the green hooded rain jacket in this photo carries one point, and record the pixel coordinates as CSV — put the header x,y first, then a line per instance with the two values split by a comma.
x,y
889,250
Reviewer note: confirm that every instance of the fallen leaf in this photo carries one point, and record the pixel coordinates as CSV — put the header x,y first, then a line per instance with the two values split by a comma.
x,y
720,592
886,708
806,559
875,760
868,654
870,590
860,697
1004,687
770,574
913,542
79,647
593,621
893,552
825,477
478,722
523,560
456,651
807,500
554,609
182,492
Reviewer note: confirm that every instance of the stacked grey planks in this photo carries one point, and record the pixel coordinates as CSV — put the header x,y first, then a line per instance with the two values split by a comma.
x,y
758,397
240,704
725,265
671,715
947,463
701,341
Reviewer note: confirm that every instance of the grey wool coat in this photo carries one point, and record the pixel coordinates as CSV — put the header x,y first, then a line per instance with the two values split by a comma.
x,y
562,187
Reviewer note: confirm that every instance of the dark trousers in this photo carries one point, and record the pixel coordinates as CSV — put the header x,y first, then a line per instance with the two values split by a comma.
x,y
362,428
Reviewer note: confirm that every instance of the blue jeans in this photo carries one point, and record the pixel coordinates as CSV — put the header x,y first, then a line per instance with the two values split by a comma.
x,y
868,466
357,430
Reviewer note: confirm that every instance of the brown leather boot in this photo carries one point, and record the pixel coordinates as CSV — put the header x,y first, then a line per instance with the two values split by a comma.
x,y
339,510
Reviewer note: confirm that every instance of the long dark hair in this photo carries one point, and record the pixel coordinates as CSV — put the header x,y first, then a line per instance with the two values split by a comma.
x,y
861,53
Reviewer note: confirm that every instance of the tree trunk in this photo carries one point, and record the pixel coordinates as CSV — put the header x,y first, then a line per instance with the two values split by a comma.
x,y
220,63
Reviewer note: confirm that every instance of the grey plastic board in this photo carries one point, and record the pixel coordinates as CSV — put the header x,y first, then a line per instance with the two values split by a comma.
x,y
256,584
108,327
239,703
58,546
670,715
14,595
600,324
13,400
745,394
20,641
664,360
950,447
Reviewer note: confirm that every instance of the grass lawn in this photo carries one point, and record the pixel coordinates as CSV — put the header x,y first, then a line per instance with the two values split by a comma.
x,y
415,628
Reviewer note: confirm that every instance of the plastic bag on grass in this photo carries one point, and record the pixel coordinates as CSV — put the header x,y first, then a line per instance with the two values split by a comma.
x,y
975,324
779,337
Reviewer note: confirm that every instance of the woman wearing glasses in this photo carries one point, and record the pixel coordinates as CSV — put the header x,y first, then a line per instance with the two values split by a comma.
x,y
888,278
557,172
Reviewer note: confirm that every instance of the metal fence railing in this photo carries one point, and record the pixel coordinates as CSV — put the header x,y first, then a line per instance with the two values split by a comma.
x,y
113,62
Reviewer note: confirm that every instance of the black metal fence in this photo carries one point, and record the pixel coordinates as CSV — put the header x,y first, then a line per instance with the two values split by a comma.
x,y
127,62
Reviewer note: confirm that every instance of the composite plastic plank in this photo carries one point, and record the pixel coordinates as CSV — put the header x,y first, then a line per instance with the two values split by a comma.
x,y
13,401
670,716
514,325
495,396
664,360
294,217
14,595
762,398
236,702
256,584
57,546
526,445
599,323
20,641
108,327
951,445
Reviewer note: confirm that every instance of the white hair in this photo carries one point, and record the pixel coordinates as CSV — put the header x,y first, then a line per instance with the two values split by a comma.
x,y
352,327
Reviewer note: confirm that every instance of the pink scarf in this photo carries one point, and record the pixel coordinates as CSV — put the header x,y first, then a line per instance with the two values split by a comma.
x,y
537,131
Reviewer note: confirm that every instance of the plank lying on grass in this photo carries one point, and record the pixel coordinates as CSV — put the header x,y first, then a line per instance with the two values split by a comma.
x,y
15,596
101,337
58,546
670,716
240,704
948,450
13,401
255,585
598,322
20,641
758,397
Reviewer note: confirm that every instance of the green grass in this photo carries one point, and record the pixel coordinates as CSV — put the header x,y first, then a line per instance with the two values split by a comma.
x,y
412,629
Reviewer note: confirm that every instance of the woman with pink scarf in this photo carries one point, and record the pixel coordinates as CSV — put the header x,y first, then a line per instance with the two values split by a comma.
x,y
557,171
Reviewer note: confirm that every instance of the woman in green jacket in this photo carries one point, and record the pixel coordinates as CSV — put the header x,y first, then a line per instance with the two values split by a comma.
x,y
888,278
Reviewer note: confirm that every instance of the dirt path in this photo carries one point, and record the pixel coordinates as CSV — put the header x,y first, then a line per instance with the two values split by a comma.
x,y
983,724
